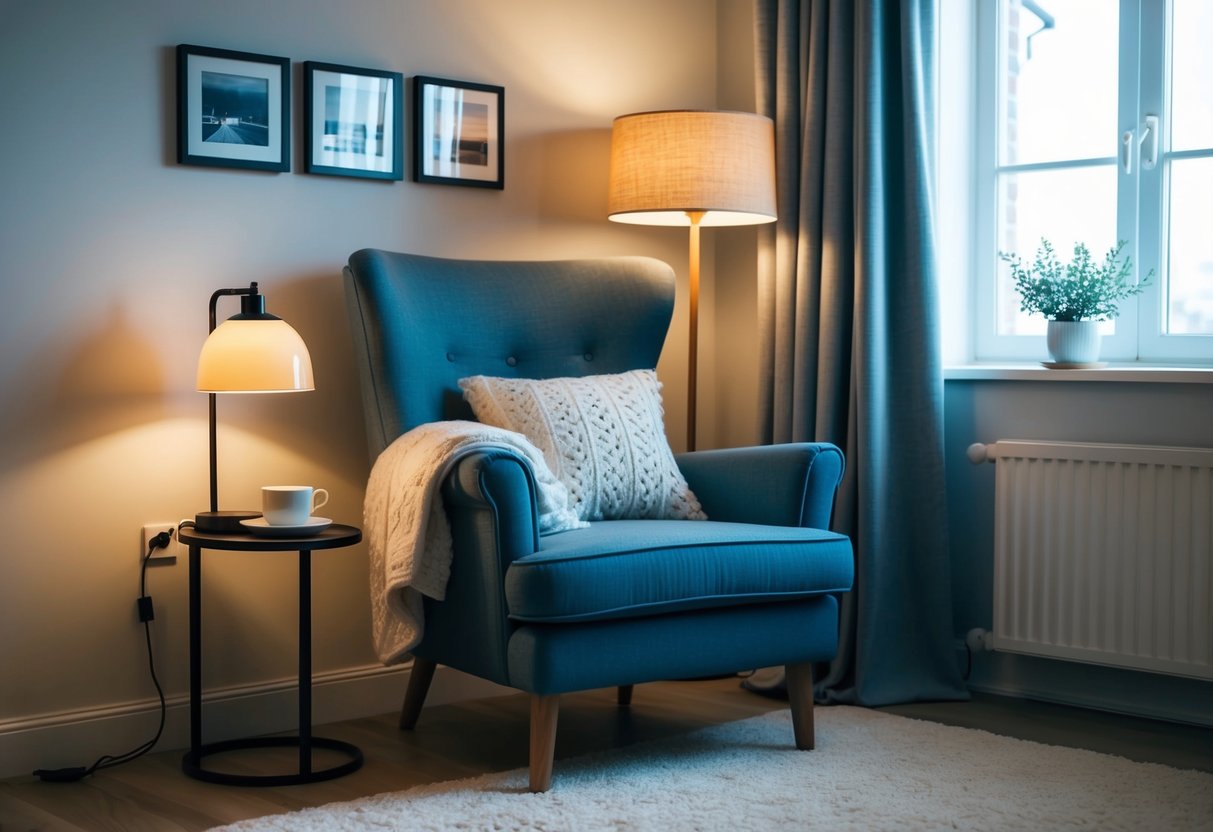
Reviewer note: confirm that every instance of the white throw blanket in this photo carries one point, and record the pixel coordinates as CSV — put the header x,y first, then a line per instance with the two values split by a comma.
x,y
406,527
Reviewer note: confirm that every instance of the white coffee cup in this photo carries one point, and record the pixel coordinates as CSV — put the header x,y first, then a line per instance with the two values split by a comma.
x,y
291,505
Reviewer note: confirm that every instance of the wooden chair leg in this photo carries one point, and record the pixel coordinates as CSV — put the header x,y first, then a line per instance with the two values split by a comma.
x,y
419,685
800,695
544,713
625,695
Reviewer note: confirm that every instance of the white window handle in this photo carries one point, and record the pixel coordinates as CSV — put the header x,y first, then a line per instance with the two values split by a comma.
x,y
1149,143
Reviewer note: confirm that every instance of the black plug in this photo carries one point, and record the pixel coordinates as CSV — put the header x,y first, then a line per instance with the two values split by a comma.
x,y
160,540
61,775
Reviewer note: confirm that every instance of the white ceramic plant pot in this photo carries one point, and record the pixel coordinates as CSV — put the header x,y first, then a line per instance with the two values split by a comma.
x,y
1073,342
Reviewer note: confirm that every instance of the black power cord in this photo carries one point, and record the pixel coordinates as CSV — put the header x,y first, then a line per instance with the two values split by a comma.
x,y
146,615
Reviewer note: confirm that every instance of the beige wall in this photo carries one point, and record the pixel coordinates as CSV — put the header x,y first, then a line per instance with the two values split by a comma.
x,y
734,300
109,251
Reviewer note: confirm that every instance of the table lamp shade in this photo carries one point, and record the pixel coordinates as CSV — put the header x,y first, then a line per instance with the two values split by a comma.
x,y
251,352
666,165
262,354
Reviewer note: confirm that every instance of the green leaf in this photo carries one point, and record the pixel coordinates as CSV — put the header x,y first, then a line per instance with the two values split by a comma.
x,y
1081,290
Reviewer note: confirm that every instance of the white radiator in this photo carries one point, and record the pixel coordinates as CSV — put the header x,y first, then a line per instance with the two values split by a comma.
x,y
1104,553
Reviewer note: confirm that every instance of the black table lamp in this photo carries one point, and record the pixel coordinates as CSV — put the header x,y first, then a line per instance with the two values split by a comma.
x,y
251,352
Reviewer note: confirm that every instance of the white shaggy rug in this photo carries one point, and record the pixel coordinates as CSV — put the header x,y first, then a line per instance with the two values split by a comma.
x,y
871,771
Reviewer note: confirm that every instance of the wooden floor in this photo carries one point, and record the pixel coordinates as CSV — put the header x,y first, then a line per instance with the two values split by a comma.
x,y
469,738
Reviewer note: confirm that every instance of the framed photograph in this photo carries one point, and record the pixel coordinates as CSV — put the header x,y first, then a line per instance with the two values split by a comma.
x,y
352,121
458,133
233,109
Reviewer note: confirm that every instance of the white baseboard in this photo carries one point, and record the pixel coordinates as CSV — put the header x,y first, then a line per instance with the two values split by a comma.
x,y
1097,687
77,738
1167,712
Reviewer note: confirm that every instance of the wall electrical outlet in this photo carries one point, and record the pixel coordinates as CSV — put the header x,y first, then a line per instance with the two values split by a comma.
x,y
169,552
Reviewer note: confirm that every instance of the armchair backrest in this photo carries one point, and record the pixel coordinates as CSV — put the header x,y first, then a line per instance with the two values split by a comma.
x,y
422,323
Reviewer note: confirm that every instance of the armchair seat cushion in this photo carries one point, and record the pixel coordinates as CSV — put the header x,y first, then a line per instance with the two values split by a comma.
x,y
630,568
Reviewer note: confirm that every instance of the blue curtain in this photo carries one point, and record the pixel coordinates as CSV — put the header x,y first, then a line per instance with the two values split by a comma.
x,y
848,319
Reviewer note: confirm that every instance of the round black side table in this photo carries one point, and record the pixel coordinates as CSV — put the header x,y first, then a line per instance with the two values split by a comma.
x,y
335,536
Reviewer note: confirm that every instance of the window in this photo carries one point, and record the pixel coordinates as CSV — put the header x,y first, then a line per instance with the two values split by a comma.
x,y
1095,125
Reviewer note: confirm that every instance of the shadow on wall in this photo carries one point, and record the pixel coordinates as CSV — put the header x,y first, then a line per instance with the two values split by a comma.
x,y
556,195
168,104
326,425
113,379
574,166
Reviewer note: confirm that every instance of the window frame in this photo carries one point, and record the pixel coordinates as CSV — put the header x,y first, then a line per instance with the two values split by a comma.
x,y
1144,50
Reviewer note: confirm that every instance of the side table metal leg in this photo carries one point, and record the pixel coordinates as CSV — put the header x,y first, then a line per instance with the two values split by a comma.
x,y
195,653
306,741
305,661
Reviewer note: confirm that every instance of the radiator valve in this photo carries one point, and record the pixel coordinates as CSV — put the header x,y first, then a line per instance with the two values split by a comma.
x,y
978,453
979,640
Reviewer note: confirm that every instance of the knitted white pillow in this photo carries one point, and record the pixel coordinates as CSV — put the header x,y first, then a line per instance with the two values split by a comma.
x,y
602,436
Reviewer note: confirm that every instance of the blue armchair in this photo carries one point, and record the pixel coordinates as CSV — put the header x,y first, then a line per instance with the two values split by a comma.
x,y
623,601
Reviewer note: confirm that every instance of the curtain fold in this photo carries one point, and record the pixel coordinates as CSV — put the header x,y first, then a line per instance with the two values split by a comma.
x,y
848,319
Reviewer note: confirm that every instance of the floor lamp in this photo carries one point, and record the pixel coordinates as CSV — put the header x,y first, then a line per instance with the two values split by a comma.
x,y
250,352
694,168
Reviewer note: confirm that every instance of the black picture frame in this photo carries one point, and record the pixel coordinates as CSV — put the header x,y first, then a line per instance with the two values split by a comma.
x,y
233,109
353,121
469,150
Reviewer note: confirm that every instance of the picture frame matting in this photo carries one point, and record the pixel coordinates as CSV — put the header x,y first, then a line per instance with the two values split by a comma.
x,y
353,121
458,132
233,109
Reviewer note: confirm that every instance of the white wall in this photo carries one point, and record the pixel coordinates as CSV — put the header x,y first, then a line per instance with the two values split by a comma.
x,y
109,251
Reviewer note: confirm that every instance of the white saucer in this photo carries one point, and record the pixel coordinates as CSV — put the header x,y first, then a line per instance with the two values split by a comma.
x,y
1075,365
261,528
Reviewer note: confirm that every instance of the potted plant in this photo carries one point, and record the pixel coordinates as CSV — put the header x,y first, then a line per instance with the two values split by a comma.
x,y
1074,296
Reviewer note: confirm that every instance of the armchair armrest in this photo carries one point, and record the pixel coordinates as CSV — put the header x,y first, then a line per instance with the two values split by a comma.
x,y
497,485
489,498
778,485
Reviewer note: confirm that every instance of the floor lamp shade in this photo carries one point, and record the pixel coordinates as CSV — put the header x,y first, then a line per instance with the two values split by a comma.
x,y
666,165
693,168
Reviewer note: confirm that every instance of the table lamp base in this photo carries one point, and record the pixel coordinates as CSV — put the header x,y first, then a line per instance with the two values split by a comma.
x,y
223,522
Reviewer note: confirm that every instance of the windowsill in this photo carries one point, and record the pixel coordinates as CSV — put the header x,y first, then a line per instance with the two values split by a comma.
x,y
1014,371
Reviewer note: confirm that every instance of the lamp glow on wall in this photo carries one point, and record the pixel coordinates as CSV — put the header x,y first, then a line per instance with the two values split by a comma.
x,y
250,352
692,168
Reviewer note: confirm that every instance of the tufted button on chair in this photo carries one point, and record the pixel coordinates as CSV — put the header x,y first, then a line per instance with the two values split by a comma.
x,y
623,601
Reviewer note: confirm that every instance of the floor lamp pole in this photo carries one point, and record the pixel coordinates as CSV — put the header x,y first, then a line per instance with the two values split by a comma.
x,y
693,328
